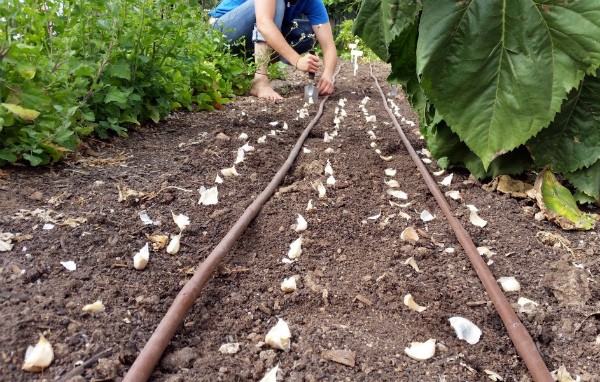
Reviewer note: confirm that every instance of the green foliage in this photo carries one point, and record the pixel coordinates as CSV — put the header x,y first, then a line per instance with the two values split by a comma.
x,y
345,37
99,67
488,79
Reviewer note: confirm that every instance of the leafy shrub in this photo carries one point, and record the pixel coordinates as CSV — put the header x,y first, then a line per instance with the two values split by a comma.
x,y
69,69
500,89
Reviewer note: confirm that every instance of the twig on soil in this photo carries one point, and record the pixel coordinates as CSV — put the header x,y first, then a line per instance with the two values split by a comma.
x,y
79,369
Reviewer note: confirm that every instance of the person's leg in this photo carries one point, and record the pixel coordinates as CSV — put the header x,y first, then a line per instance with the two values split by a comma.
x,y
241,22
261,87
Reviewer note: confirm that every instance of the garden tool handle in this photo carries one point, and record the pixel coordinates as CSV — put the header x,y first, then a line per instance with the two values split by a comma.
x,y
311,75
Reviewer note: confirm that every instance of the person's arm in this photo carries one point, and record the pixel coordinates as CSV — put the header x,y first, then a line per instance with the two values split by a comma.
x,y
324,35
265,11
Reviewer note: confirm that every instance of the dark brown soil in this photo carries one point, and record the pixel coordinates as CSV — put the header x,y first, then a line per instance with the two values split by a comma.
x,y
352,275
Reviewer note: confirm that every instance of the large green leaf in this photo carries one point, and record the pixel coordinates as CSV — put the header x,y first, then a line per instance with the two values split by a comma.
x,y
587,180
572,141
379,22
443,143
497,71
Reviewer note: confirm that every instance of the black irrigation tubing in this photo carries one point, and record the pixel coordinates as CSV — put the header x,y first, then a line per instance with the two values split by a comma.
x,y
144,364
516,331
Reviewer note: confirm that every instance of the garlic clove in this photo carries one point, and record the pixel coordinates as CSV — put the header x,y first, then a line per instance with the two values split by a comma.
x,y
393,183
140,260
279,336
209,196
509,284
421,350
243,136
288,285
159,241
390,171
465,329
411,261
240,156
218,179
174,244
409,301
262,139
426,216
328,168
318,185
526,305
397,194
447,180
474,218
309,205
331,181
454,195
231,171
39,357
410,234
295,248
247,148
271,376
301,224
96,307
181,220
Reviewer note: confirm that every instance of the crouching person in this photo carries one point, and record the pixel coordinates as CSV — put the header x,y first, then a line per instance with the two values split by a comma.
x,y
268,25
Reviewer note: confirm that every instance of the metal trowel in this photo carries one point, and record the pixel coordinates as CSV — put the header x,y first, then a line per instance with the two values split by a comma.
x,y
311,93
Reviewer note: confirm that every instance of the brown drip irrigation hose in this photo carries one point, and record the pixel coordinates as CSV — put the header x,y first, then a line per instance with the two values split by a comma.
x,y
516,331
144,364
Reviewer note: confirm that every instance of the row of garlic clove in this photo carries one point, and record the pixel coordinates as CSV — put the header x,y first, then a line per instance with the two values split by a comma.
x,y
141,258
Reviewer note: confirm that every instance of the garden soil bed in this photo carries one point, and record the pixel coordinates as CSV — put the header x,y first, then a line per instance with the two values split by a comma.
x,y
351,275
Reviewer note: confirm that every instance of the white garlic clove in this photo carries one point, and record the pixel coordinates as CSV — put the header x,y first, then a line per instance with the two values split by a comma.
x,y
209,196
328,168
465,329
39,357
309,205
96,307
262,139
474,218
331,181
231,171
526,305
393,183
240,156
409,301
390,171
243,136
426,216
447,180
181,220
295,249
174,244
288,285
301,224
140,260
397,194
279,337
410,234
271,376
421,350
454,195
411,261
509,284
247,147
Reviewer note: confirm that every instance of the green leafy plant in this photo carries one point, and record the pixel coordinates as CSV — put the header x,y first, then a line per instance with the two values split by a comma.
x,y
72,68
499,86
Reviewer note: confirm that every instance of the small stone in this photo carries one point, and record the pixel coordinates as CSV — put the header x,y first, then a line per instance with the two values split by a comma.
x,y
37,195
223,137
345,357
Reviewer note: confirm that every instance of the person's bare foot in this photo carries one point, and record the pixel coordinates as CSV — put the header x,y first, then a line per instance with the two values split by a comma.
x,y
261,88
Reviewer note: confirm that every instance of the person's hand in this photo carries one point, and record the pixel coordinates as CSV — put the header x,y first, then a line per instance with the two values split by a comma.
x,y
325,86
309,63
